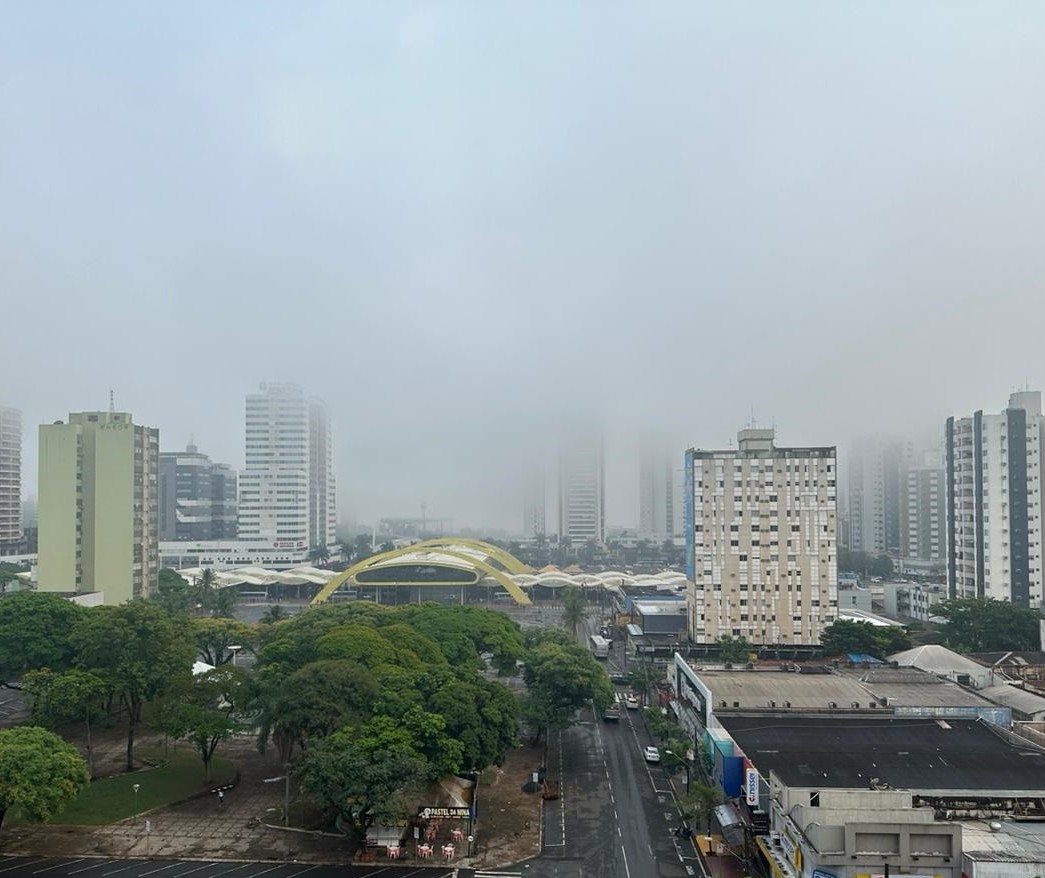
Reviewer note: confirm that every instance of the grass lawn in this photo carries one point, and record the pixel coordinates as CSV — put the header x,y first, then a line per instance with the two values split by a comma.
x,y
178,775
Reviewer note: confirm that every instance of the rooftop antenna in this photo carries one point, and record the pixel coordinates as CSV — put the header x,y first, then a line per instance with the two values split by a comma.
x,y
112,402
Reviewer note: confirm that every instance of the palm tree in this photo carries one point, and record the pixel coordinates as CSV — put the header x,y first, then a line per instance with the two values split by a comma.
x,y
573,609
319,554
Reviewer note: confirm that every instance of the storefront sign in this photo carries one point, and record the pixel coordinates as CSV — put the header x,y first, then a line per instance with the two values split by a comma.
x,y
820,873
452,813
751,786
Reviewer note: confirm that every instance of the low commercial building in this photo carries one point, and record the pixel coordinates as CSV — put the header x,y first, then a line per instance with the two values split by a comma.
x,y
229,554
863,795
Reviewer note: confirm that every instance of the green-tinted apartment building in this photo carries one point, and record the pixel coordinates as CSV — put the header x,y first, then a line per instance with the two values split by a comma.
x,y
98,506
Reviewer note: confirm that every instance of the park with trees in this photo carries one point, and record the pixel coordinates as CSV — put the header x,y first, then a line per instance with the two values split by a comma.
x,y
365,705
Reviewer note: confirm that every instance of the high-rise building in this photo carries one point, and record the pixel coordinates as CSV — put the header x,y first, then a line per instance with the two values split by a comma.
x,y
875,496
761,550
923,522
322,487
287,488
198,497
660,493
97,506
10,480
582,491
534,505
994,503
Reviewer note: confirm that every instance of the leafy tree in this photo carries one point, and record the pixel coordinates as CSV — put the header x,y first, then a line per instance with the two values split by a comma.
x,y
464,633
481,714
214,599
58,698
573,607
561,676
174,593
34,633
318,699
978,625
700,801
9,573
139,651
39,773
319,554
214,636
734,649
849,636
364,774
210,713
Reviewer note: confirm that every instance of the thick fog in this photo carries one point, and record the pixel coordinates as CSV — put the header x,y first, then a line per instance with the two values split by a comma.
x,y
470,226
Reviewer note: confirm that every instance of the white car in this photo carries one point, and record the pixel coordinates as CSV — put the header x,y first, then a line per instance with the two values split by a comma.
x,y
632,702
651,754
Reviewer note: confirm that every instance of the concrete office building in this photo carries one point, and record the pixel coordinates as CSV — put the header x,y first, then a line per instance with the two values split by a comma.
x,y
97,506
761,530
287,489
582,491
198,497
923,529
875,496
10,480
994,503
660,494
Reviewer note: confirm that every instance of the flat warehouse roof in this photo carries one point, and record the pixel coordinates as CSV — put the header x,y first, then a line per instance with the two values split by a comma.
x,y
926,756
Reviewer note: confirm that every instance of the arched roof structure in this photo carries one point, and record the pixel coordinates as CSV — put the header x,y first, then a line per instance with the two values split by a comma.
x,y
454,554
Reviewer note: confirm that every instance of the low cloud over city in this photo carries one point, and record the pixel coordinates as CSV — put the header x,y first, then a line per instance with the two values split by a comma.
x,y
472,228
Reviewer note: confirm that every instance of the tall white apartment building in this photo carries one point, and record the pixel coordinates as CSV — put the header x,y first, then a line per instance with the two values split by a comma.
x,y
582,491
322,491
660,493
875,496
10,479
994,505
761,541
287,488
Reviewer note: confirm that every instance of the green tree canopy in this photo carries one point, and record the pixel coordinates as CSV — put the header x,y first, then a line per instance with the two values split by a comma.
x,y
850,636
215,635
734,649
212,709
561,677
34,633
978,625
573,607
364,775
139,650
39,773
317,700
57,698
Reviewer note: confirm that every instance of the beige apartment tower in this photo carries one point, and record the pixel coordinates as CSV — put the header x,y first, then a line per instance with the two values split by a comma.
x,y
761,527
98,506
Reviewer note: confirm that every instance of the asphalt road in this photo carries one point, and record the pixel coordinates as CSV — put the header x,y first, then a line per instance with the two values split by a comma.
x,y
615,813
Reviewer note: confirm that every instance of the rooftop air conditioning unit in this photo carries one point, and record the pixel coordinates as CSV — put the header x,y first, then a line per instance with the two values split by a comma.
x,y
832,704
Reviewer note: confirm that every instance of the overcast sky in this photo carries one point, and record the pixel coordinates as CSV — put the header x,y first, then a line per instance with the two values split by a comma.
x,y
460,223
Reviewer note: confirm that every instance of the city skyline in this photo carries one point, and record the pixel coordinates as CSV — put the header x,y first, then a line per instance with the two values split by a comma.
x,y
410,209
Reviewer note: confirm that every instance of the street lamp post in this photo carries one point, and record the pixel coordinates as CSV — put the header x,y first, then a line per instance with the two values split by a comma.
x,y
136,787
234,649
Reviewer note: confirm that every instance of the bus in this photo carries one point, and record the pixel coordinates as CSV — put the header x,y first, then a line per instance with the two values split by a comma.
x,y
600,646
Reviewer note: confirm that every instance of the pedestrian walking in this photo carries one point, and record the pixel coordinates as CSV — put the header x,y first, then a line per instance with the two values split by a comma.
x,y
221,798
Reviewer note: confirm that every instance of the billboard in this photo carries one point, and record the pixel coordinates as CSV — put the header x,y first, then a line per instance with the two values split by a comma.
x,y
751,786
